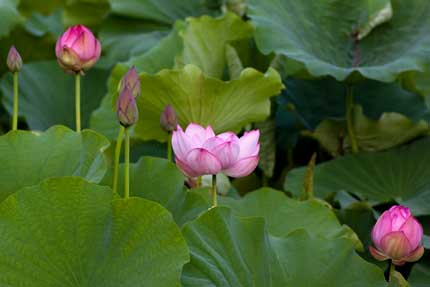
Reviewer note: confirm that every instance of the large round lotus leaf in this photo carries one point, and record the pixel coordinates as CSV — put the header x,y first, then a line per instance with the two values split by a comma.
x,y
159,180
68,232
204,100
27,157
322,35
227,250
44,104
399,174
283,214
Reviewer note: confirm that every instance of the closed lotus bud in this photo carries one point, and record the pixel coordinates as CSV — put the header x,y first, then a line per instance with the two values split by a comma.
x,y
131,81
14,61
126,108
77,49
397,236
168,119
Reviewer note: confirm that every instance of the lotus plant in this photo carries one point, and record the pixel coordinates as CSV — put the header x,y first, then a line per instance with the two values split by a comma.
x,y
14,63
397,236
77,50
127,114
198,151
169,122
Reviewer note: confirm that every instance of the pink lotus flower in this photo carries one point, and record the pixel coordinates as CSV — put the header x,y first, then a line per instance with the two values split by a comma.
x,y
397,236
168,119
77,49
131,81
199,151
126,108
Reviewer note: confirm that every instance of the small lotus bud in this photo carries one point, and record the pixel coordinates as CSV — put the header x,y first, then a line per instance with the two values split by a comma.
x,y
77,49
131,81
126,108
14,61
168,119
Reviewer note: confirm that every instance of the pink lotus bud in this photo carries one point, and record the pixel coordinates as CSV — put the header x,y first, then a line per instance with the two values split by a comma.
x,y
131,81
77,49
168,119
126,108
397,236
14,61
199,151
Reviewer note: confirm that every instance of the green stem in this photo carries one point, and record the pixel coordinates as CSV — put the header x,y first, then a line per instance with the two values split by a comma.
x,y
199,181
214,193
392,269
15,102
116,159
78,101
349,119
127,165
169,148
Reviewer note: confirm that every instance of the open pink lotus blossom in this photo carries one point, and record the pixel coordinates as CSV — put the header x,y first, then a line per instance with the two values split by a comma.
x,y
397,236
77,49
199,151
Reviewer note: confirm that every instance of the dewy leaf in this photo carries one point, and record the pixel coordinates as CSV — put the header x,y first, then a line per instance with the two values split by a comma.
x,y
392,129
27,158
205,41
68,232
399,174
159,180
322,36
164,11
284,215
227,250
44,104
9,15
196,98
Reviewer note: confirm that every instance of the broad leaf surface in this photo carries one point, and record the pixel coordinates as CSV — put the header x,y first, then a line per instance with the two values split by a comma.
x,y
27,157
399,174
321,36
204,100
227,250
68,232
283,214
206,39
159,180
47,97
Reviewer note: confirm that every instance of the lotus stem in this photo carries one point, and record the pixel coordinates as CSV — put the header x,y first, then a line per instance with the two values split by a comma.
x,y
78,101
116,159
169,148
392,270
15,102
127,165
349,119
214,192
199,181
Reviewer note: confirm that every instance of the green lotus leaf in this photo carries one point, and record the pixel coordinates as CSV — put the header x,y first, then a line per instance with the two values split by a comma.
x,y
206,40
9,15
43,104
28,157
284,215
204,100
392,129
420,275
398,174
323,36
227,250
68,232
159,180
164,11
